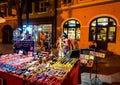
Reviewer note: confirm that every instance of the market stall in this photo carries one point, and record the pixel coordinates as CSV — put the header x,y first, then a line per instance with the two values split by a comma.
x,y
24,70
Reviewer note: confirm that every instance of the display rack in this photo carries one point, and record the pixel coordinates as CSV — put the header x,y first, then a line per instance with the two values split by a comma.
x,y
97,55
87,62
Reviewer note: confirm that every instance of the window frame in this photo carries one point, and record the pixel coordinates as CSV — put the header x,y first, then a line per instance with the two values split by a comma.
x,y
67,1
67,28
39,7
107,26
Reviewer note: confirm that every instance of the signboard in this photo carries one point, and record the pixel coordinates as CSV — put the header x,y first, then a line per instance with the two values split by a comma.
x,y
97,54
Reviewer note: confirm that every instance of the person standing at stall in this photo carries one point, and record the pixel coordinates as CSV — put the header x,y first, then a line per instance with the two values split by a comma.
x,y
42,40
64,45
60,46
67,44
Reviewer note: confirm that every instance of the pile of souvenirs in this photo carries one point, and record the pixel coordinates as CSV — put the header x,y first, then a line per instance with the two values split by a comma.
x,y
40,69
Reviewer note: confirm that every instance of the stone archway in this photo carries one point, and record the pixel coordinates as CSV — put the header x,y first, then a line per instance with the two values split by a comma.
x,y
7,34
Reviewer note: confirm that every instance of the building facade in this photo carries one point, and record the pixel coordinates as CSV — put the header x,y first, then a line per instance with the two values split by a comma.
x,y
88,21
40,15
85,21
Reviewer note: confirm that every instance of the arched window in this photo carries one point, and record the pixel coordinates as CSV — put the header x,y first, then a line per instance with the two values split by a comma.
x,y
103,29
72,29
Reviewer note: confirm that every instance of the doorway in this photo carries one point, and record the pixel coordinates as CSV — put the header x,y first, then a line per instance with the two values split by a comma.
x,y
101,40
102,31
7,34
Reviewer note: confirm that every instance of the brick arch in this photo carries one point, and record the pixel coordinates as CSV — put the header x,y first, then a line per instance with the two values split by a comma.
x,y
7,34
94,31
68,20
107,15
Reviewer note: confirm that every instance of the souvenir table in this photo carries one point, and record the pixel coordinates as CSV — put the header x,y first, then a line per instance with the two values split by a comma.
x,y
22,70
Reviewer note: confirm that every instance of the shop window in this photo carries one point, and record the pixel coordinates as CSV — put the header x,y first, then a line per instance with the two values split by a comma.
x,y
103,29
40,6
3,9
67,1
72,28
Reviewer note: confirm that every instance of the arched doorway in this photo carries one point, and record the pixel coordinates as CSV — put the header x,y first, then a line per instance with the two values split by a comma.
x,y
103,30
7,34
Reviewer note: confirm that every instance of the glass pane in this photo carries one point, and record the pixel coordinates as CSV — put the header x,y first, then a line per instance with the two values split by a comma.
x,y
93,23
37,6
92,33
111,34
77,33
101,36
71,23
71,33
40,6
102,21
77,22
112,22
72,28
65,30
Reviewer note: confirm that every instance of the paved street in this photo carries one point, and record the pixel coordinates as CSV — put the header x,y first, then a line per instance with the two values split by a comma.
x,y
6,48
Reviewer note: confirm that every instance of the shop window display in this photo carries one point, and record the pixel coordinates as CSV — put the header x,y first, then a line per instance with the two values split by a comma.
x,y
29,39
46,29
24,40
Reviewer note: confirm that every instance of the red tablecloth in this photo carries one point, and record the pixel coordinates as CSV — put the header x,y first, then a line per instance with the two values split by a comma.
x,y
10,79
72,78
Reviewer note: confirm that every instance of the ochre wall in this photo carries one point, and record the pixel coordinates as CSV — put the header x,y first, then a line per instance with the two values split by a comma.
x,y
85,15
12,23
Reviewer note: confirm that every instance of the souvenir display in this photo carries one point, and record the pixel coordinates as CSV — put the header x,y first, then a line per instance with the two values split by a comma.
x,y
86,60
38,70
97,54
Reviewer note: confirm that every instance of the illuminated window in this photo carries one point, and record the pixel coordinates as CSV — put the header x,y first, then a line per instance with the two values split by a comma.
x,y
72,29
103,29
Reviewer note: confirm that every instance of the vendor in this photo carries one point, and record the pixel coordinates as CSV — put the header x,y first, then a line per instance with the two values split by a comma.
x,y
42,40
65,45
